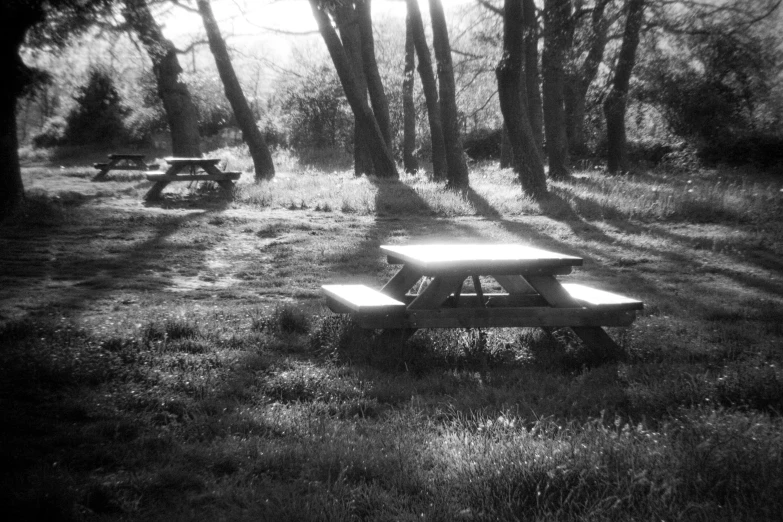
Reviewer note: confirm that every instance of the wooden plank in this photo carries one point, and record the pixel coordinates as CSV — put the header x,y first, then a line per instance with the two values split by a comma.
x,y
362,299
126,156
100,165
401,282
498,318
437,291
477,259
514,284
192,161
225,176
601,299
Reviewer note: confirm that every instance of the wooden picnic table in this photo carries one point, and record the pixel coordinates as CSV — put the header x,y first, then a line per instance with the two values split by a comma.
x,y
122,162
190,169
427,292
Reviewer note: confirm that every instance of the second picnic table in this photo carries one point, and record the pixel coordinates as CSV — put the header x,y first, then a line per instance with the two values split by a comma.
x,y
122,162
190,169
532,297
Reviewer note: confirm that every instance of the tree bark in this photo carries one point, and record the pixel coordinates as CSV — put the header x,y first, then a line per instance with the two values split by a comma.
x,y
378,99
382,159
409,161
532,78
527,160
262,159
457,175
556,19
578,82
346,19
18,17
430,87
617,99
180,110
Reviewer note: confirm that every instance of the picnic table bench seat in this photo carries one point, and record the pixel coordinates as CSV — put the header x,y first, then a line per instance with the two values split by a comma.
x,y
160,175
360,299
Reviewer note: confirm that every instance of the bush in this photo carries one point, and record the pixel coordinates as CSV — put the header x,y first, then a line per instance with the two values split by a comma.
x,y
52,134
98,117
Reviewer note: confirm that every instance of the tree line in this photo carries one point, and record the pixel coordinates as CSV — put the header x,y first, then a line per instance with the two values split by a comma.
x,y
551,55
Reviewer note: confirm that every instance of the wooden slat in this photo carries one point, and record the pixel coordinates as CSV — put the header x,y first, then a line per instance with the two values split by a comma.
x,y
126,156
477,259
225,176
437,291
402,281
514,284
362,299
193,161
499,318
601,299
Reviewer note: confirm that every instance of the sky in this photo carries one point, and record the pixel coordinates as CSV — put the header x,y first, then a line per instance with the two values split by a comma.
x,y
247,17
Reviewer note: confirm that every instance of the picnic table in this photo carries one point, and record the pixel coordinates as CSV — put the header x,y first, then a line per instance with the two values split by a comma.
x,y
427,292
190,169
122,162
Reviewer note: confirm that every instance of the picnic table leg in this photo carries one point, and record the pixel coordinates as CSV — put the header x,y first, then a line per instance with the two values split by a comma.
x,y
226,185
594,337
402,281
153,193
104,171
438,290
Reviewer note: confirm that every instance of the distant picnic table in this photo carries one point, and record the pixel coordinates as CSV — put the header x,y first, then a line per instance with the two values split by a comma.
x,y
427,292
122,162
190,169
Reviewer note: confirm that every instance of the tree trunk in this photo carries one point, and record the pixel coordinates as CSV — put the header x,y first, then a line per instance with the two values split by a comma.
x,y
457,175
180,110
18,18
556,18
382,159
11,187
347,22
532,79
578,82
506,152
528,164
409,161
617,99
262,159
378,100
430,88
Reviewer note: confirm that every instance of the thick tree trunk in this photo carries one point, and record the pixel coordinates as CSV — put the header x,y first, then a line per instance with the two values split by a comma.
x,y
180,110
556,18
578,82
430,87
409,161
378,99
617,99
346,20
18,18
11,187
457,175
532,78
528,163
262,159
382,158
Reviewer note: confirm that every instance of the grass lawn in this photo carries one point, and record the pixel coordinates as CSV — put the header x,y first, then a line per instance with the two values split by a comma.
x,y
175,361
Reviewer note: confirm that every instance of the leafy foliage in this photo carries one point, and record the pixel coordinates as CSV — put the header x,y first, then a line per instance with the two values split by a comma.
x,y
98,115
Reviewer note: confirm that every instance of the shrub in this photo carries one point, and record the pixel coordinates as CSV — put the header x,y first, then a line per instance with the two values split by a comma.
x,y
52,133
98,117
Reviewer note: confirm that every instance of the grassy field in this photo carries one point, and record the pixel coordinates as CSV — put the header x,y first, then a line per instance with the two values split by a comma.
x,y
175,361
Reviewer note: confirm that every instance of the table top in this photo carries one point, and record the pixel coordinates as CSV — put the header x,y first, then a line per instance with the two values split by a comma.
x,y
126,156
193,161
476,258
